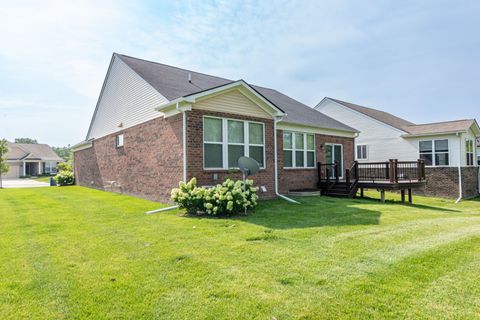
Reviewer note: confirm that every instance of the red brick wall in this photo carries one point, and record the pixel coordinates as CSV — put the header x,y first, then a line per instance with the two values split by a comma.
x,y
443,182
301,178
148,166
195,153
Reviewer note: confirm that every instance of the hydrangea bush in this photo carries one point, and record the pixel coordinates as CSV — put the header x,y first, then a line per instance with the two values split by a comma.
x,y
230,197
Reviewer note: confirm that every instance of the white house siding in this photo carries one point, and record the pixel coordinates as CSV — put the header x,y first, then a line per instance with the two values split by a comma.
x,y
232,102
383,141
126,99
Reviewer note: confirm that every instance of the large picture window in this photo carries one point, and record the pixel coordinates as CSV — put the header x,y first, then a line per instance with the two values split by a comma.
x,y
469,147
298,150
226,140
434,152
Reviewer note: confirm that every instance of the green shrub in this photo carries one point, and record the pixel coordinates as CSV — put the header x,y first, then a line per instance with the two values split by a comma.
x,y
64,166
65,178
230,197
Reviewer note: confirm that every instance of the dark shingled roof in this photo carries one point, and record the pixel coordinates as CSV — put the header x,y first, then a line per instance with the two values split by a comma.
x,y
172,83
379,115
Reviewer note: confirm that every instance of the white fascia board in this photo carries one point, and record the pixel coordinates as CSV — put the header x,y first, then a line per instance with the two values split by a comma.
x,y
309,129
82,145
419,135
364,115
241,85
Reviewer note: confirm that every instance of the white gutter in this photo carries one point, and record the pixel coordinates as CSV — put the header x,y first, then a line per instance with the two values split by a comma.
x,y
460,191
276,162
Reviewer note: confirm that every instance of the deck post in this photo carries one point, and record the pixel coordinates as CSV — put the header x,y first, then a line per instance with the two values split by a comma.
x,y
402,192
382,196
361,192
391,170
395,169
410,195
419,170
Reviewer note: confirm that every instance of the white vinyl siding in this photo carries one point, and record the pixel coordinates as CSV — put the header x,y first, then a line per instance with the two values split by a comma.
x,y
385,142
233,102
126,100
226,140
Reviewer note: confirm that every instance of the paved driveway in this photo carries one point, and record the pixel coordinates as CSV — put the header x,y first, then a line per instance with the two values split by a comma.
x,y
23,183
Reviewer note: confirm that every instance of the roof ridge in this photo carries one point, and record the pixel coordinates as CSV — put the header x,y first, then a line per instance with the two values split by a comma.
x,y
170,66
438,122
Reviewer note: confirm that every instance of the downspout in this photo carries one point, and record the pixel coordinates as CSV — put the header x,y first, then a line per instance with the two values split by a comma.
x,y
276,163
460,191
184,142
184,146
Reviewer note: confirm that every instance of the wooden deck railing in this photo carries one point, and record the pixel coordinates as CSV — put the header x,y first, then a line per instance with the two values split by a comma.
x,y
392,171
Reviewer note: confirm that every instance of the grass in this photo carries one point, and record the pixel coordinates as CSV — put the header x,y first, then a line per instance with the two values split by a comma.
x,y
76,253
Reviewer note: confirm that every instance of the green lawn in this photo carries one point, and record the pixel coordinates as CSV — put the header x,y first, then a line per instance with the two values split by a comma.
x,y
76,253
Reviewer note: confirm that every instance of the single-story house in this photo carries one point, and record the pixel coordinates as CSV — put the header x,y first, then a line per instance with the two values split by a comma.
x,y
31,160
448,148
155,125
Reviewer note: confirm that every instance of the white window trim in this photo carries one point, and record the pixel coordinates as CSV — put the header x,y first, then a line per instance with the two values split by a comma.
x,y
434,152
246,143
366,151
467,140
305,150
117,140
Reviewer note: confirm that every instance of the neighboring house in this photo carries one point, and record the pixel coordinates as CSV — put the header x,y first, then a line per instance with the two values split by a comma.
x,y
155,125
31,160
448,148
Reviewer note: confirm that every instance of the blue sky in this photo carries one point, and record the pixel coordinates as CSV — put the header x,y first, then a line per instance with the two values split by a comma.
x,y
416,59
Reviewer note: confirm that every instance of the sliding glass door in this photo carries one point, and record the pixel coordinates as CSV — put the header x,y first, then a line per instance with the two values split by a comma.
x,y
334,153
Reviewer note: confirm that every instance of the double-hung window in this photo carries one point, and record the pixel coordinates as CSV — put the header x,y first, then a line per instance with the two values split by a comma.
x,y
298,150
362,152
226,140
434,152
469,147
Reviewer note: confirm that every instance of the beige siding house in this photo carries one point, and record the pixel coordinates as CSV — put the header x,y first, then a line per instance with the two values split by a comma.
x,y
31,160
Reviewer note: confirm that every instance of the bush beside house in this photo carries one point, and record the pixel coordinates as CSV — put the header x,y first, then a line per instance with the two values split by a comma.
x,y
65,176
230,197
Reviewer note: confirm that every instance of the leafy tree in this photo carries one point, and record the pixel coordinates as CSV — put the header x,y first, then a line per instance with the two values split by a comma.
x,y
63,152
26,140
3,159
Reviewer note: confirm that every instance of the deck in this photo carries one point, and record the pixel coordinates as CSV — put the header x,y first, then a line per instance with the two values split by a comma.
x,y
389,175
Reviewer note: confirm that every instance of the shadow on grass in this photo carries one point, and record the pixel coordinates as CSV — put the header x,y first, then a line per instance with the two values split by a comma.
x,y
313,212
410,205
